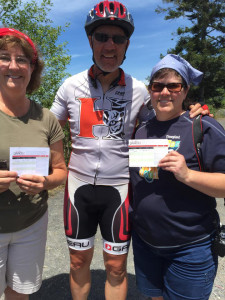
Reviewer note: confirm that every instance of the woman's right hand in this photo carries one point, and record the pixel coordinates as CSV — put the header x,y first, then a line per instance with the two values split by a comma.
x,y
6,177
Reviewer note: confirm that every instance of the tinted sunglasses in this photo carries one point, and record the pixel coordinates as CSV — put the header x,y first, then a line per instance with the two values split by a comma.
x,y
103,38
171,87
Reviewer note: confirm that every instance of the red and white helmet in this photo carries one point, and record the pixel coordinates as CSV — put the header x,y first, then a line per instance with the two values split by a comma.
x,y
109,13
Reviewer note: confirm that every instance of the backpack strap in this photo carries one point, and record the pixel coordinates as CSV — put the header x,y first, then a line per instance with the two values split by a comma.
x,y
197,135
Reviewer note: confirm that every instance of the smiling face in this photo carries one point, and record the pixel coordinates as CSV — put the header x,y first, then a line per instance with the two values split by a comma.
x,y
108,55
15,71
167,104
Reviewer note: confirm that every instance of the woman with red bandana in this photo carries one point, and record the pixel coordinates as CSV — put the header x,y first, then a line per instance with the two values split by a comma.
x,y
23,199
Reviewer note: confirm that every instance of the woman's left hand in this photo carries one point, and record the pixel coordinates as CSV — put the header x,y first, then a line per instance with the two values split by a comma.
x,y
175,163
31,184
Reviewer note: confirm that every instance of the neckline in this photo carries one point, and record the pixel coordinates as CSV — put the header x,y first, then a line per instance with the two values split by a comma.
x,y
19,117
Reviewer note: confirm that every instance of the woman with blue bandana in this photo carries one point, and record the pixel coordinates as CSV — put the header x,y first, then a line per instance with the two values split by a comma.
x,y
174,214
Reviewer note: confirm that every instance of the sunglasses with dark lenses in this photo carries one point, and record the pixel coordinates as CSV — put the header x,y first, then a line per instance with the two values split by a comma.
x,y
103,38
171,87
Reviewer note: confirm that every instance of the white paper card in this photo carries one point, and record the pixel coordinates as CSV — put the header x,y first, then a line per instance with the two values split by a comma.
x,y
29,160
147,153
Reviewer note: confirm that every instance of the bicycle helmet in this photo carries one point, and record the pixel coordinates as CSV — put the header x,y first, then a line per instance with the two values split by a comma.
x,y
109,13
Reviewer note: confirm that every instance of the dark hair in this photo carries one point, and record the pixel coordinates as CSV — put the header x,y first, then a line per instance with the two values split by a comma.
x,y
12,41
165,71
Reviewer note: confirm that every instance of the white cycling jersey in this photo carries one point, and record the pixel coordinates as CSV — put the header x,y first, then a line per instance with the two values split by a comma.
x,y
101,124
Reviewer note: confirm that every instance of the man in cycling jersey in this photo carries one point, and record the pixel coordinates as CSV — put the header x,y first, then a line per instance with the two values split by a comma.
x,y
102,105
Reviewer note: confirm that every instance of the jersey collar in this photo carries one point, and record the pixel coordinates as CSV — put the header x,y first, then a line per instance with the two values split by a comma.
x,y
120,80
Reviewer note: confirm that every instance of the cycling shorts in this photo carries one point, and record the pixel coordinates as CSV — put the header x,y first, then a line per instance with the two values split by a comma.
x,y
86,206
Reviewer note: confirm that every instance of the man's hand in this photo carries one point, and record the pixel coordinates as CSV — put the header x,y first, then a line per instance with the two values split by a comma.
x,y
197,109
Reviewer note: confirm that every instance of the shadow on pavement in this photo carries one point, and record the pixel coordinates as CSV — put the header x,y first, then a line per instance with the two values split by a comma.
x,y
57,287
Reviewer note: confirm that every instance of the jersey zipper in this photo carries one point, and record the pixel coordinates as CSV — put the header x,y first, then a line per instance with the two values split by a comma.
x,y
99,146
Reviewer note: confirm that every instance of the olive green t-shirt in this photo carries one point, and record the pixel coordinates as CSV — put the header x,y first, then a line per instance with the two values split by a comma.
x,y
38,128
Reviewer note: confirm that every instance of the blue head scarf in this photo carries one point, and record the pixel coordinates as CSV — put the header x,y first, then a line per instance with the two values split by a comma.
x,y
179,64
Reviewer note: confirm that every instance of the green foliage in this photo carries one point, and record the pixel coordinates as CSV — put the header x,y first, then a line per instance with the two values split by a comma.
x,y
202,44
32,18
7,7
67,144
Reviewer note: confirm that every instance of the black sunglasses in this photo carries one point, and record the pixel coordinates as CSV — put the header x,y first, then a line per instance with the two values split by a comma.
x,y
103,38
171,87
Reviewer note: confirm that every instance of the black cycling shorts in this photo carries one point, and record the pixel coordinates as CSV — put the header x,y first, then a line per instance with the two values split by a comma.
x,y
86,206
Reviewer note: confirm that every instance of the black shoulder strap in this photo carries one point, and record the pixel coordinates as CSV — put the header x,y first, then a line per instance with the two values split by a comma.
x,y
197,134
